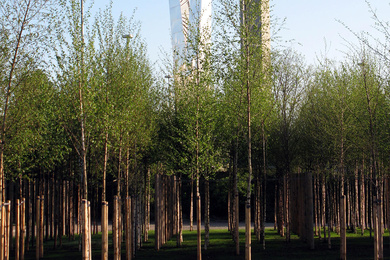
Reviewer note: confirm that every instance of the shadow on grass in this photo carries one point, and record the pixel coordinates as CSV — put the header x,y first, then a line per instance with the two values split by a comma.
x,y
222,248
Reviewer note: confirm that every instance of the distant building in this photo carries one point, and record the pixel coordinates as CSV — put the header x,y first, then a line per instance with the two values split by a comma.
x,y
262,21
183,13
179,12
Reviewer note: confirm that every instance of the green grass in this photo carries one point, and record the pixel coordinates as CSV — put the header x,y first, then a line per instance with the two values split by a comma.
x,y
222,247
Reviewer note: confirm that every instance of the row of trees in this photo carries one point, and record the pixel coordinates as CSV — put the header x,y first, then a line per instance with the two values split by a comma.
x,y
81,103
270,107
88,95
77,103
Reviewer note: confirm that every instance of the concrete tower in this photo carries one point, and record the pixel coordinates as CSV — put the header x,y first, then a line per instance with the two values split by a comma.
x,y
262,21
179,10
265,32
185,12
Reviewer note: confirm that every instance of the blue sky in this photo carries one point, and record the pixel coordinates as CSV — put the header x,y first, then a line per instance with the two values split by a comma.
x,y
310,25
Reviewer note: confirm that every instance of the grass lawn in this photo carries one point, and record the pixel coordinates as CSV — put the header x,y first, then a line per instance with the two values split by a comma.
x,y
221,247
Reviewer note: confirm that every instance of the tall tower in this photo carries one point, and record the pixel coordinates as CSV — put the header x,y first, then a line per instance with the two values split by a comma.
x,y
259,13
265,33
183,13
179,10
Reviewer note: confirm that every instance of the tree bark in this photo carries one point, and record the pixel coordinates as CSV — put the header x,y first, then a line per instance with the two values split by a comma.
x,y
129,242
178,210
104,222
192,203
17,230
37,219
147,207
118,181
287,206
23,229
236,200
356,215
229,200
323,206
343,237
105,166
362,202
157,212
309,211
207,214
264,191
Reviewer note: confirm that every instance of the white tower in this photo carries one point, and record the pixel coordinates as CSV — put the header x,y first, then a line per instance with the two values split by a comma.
x,y
188,11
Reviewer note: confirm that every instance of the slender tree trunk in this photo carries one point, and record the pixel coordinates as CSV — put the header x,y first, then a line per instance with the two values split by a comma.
x,y
47,201
181,211
315,208
329,211
83,152
53,205
348,207
157,233
343,237
323,206
115,236
229,200
362,202
147,207
230,208
287,206
56,213
375,225
236,200
248,243
380,221
178,211
29,204
264,183
129,249
127,222
281,208
319,192
38,240
207,214
388,202
104,224
198,200
23,229
41,225
192,203
105,166
257,208
356,215
276,206
118,181
370,204
72,212
17,231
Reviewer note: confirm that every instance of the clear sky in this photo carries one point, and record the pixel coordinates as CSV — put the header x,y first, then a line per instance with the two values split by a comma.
x,y
310,25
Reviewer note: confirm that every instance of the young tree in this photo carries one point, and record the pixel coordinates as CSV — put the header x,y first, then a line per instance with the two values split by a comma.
x,y
251,37
290,79
25,34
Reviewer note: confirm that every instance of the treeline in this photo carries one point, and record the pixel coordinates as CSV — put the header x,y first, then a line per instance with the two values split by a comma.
x,y
78,109
267,120
84,116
